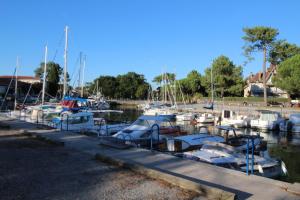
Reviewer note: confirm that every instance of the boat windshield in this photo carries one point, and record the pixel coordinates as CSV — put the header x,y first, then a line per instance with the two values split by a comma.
x,y
78,120
150,123
269,116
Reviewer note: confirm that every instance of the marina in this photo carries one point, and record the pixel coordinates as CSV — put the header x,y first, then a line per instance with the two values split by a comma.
x,y
193,137
207,176
164,100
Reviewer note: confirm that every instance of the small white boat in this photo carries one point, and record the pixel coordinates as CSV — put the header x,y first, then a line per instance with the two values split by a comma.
x,y
75,122
226,156
85,121
231,118
192,141
185,116
268,120
141,128
205,118
169,112
104,129
239,142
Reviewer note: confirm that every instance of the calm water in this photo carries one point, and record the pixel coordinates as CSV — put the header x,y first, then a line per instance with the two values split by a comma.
x,y
280,145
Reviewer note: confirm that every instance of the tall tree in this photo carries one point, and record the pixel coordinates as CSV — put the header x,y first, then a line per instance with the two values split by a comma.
x,y
169,76
288,76
259,38
106,84
282,50
227,77
53,76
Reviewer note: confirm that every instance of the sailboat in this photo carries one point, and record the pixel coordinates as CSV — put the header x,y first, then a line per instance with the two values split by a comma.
x,y
164,109
208,117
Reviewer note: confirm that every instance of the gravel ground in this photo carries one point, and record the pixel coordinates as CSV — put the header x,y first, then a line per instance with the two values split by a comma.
x,y
32,169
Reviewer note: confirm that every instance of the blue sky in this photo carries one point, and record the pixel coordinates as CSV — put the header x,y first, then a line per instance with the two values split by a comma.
x,y
145,36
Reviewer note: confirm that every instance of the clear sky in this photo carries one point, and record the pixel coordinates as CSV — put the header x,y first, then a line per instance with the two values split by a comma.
x,y
144,36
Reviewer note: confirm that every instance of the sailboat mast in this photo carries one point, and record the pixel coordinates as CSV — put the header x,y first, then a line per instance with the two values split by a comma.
x,y
82,79
44,76
212,85
65,61
80,68
16,83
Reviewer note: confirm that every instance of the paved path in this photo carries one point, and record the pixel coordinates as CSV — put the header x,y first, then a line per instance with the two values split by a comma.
x,y
246,187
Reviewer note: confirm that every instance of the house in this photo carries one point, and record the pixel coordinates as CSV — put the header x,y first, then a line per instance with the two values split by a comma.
x,y
254,84
24,83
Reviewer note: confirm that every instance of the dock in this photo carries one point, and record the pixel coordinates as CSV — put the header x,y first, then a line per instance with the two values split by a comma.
x,y
215,182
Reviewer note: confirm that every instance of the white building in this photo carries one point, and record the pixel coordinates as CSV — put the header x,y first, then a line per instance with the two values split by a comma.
x,y
255,87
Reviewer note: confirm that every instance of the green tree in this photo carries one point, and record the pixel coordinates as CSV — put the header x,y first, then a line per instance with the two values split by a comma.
x,y
191,86
288,76
106,84
194,82
169,76
128,85
227,78
259,38
282,50
142,91
52,78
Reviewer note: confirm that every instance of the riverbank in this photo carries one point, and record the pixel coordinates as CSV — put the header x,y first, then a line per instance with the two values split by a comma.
x,y
249,109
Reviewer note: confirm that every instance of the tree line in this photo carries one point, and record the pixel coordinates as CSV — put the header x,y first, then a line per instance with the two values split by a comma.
x,y
227,77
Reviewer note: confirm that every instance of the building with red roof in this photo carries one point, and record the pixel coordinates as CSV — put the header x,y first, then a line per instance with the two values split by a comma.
x,y
255,87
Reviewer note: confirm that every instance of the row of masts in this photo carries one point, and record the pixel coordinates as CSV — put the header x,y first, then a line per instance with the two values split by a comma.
x,y
65,81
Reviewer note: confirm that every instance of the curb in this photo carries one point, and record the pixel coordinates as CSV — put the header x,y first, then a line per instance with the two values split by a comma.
x,y
209,192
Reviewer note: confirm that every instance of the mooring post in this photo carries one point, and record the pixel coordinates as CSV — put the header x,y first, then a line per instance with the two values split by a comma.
x,y
152,130
247,157
67,122
252,140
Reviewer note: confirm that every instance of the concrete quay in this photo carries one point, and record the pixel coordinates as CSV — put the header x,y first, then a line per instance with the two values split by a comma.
x,y
214,182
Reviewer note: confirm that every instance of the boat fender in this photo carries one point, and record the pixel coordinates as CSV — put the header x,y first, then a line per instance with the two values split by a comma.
x,y
283,168
260,169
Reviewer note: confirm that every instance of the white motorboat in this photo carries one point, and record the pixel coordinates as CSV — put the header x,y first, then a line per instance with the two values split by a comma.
x,y
74,122
268,120
205,118
226,156
291,125
185,116
232,118
104,129
141,128
192,141
85,121
239,142
169,112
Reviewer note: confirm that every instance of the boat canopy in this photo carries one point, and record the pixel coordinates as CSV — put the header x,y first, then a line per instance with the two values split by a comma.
x,y
226,128
155,118
69,98
268,111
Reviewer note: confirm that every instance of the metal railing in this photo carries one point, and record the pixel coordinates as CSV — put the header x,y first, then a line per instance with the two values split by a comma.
x,y
250,138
